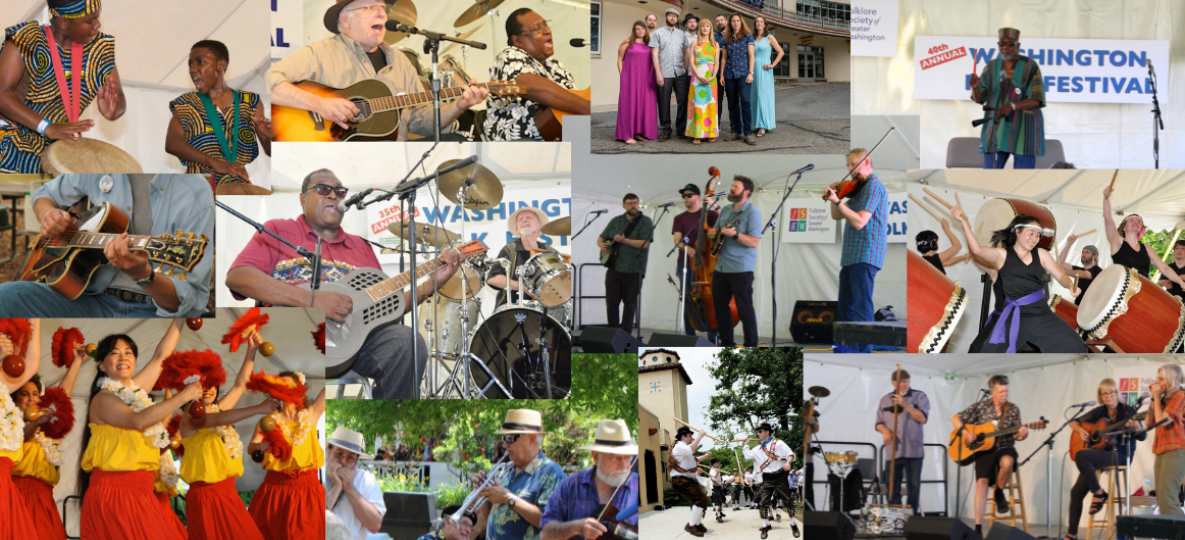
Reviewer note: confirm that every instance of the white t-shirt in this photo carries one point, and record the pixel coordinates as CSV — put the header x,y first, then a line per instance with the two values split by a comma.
x,y
365,483
686,460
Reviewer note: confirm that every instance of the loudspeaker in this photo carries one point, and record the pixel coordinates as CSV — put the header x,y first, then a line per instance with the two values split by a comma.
x,y
812,321
938,528
1003,532
678,340
827,526
599,339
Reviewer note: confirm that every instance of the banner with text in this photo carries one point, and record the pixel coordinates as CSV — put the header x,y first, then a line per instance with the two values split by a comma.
x,y
808,221
874,28
287,27
1134,381
1074,70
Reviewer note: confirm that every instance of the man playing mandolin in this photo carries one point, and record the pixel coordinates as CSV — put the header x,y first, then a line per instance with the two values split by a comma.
x,y
588,503
996,466
356,53
738,230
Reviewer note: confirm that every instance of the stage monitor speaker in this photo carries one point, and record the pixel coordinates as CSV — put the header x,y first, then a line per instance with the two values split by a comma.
x,y
678,340
600,339
938,528
1000,531
812,321
827,526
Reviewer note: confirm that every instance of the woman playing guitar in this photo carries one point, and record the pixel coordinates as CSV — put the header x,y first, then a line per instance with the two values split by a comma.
x,y
1094,457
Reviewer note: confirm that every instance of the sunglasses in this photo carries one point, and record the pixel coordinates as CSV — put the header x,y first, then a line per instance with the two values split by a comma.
x,y
324,190
1007,43
689,195
510,438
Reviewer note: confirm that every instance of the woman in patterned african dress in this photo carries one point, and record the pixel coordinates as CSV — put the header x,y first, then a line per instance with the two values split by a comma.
x,y
704,54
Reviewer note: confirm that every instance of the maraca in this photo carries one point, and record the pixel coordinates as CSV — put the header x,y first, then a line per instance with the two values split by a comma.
x,y
32,414
14,366
175,441
267,349
267,424
90,349
197,410
257,456
194,324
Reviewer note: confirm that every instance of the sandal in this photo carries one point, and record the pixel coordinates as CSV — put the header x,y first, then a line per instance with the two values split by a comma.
x,y
631,142
1096,505
694,141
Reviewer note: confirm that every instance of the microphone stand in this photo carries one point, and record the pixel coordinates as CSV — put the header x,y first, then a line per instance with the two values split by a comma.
x,y
774,248
586,224
314,257
638,313
1157,121
1049,468
432,46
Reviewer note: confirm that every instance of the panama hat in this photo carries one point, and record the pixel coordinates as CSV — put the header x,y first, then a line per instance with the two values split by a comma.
x,y
336,9
512,223
613,437
521,421
348,439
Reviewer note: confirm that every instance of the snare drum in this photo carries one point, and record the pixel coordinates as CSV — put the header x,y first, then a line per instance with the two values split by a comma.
x,y
87,156
441,324
1133,311
998,213
935,305
548,278
1065,310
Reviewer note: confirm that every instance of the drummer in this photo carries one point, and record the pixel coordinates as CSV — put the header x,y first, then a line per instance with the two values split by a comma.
x,y
269,271
927,242
526,224
33,110
216,129
1126,247
1085,273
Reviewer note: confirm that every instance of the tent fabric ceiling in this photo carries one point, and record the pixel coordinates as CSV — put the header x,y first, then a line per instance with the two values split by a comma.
x,y
961,365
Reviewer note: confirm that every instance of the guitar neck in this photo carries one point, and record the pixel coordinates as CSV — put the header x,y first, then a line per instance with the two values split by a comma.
x,y
393,285
97,240
390,103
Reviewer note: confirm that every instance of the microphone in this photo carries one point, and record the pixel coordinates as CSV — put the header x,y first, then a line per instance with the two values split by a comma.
x,y
396,26
1087,404
804,169
1143,396
667,205
356,199
595,212
581,42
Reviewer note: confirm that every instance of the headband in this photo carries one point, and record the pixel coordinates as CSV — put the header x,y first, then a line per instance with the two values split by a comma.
x,y
1033,226
1143,227
77,10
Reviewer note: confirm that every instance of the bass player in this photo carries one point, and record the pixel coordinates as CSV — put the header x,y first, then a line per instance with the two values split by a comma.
x,y
687,225
913,410
626,240
740,224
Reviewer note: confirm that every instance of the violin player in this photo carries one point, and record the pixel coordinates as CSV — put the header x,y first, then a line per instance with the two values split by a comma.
x,y
589,504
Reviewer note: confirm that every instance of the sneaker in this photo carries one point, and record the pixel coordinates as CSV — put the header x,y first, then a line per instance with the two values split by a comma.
x,y
1001,502
694,531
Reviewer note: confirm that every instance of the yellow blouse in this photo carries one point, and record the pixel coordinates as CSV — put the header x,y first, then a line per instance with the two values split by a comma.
x,y
159,485
206,459
35,464
14,455
118,449
308,455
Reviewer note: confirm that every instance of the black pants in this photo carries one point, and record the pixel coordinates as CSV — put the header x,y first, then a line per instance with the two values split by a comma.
x,y
619,288
717,495
1046,331
810,483
1088,481
680,86
720,97
724,288
775,490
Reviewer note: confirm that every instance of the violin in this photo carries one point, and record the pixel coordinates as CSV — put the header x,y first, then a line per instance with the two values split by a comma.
x,y
851,187
617,530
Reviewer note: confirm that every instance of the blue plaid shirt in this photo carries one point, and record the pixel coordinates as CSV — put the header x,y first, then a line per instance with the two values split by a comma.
x,y
737,65
535,485
577,498
867,245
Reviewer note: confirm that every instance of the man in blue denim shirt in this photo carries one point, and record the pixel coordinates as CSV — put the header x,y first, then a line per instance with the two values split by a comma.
x,y
571,509
129,286
515,509
733,276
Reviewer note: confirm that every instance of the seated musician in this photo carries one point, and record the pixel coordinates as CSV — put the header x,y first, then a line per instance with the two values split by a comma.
x,y
994,466
528,60
356,53
33,103
269,271
352,493
216,129
527,224
576,504
128,286
515,510
452,530
1089,460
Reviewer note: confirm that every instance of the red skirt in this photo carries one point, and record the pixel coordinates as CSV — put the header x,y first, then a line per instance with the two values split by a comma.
x,y
171,515
122,504
15,519
290,507
38,497
215,511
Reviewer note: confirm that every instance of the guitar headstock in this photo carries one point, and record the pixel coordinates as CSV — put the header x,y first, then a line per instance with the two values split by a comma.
x,y
177,253
506,88
1038,425
470,249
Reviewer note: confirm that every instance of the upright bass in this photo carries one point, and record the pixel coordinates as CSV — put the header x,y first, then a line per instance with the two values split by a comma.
x,y
703,266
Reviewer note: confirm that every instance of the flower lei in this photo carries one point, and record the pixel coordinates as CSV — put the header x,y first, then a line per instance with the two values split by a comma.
x,y
136,398
51,447
230,437
168,472
12,424
303,429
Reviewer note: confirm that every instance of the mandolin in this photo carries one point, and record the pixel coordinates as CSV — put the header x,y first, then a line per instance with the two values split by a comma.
x,y
718,243
985,440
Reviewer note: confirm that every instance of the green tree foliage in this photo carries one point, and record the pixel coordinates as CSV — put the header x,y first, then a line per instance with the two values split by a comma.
x,y
1161,243
755,385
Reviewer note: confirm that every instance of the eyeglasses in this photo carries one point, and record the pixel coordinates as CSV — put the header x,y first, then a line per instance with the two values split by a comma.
x,y
538,29
1111,393
689,195
1007,43
324,189
374,9
510,438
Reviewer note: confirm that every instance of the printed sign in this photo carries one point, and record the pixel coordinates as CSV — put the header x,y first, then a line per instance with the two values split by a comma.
x,y
874,28
287,27
808,221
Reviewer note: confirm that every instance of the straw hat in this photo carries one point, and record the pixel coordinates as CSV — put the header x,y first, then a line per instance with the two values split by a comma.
x,y
336,9
521,421
348,439
613,437
512,223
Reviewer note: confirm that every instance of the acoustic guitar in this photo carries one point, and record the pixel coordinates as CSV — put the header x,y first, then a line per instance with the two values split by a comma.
x,y
985,440
378,116
68,261
550,122
1097,432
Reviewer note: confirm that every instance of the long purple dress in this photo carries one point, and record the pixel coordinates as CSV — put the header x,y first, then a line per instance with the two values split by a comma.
x,y
637,102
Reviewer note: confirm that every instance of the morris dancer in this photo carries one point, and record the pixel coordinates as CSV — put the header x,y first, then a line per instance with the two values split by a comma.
x,y
684,468
773,459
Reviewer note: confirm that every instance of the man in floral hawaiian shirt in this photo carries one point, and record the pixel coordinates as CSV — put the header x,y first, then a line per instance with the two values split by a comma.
x,y
517,502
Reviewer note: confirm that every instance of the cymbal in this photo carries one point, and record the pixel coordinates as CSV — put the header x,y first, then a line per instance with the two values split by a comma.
x,y
403,11
559,227
485,193
819,391
452,44
426,234
476,11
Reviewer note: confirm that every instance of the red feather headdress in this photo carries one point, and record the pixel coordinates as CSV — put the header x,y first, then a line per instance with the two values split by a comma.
x,y
278,444
319,338
57,400
182,365
65,340
252,318
173,427
19,331
278,387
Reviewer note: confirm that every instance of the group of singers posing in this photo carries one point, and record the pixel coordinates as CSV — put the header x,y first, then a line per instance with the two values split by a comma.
x,y
865,212
994,468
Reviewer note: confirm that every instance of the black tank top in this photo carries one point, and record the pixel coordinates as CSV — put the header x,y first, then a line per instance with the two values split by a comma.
x,y
1021,280
998,292
935,260
1133,259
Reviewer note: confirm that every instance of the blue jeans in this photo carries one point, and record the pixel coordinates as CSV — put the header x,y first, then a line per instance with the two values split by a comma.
x,y
910,470
738,105
386,358
855,296
26,299
997,161
687,328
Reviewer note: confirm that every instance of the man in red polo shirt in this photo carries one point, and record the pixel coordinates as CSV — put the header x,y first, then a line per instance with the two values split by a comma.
x,y
269,271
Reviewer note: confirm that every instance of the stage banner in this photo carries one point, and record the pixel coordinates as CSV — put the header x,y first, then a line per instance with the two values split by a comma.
x,y
1134,381
287,27
808,221
1074,70
874,28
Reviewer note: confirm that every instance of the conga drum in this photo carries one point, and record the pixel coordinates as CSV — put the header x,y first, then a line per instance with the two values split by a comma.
x,y
1065,309
1133,311
935,304
87,156
998,213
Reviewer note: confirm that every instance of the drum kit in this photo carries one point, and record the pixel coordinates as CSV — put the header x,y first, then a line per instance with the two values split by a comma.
x,y
523,349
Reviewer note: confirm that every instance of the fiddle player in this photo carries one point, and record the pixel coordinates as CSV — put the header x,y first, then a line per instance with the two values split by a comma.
x,y
773,459
1168,413
740,222
913,410
630,235
686,227
572,509
865,241
995,466
684,468
514,511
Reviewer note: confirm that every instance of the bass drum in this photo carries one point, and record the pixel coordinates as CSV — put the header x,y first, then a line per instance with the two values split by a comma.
x,y
509,342
561,313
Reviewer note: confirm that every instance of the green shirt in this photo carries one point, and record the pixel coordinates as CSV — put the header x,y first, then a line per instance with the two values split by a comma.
x,y
630,260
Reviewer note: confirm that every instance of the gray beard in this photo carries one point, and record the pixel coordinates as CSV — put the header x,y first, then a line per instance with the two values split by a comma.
x,y
615,479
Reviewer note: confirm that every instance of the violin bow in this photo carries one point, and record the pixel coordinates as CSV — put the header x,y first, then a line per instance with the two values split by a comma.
x,y
633,460
869,154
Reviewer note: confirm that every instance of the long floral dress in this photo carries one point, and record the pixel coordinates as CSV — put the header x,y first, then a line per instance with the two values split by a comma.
x,y
703,121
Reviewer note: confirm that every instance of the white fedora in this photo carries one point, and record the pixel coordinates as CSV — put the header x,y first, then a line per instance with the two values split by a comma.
x,y
613,437
521,421
512,222
348,439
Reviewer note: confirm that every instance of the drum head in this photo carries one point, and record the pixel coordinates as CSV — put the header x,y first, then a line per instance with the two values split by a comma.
x,y
456,289
500,342
87,156
991,217
1105,291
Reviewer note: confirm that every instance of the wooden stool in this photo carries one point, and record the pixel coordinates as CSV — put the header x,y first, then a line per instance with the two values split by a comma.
x,y
1113,487
1016,499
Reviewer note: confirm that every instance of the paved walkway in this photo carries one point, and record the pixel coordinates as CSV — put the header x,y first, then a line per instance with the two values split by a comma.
x,y
743,524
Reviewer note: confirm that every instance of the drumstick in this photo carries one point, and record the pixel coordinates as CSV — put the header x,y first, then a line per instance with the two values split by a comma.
x,y
937,198
925,207
1113,177
1080,235
957,201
